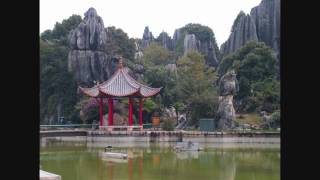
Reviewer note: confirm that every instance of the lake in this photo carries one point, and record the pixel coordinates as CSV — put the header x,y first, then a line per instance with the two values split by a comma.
x,y
83,161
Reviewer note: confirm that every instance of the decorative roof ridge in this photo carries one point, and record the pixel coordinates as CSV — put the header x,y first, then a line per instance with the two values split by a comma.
x,y
130,80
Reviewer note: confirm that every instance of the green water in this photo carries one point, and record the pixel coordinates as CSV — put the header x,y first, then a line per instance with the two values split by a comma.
x,y
77,161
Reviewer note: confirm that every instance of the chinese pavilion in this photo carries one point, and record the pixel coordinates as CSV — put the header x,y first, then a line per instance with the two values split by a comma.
x,y
120,85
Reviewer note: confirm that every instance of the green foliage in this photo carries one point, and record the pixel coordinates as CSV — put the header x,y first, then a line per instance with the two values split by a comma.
x,y
118,43
149,105
195,87
275,118
168,124
60,32
258,75
156,55
155,59
57,86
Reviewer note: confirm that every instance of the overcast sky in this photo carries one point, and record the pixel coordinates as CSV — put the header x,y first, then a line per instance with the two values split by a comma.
x,y
160,15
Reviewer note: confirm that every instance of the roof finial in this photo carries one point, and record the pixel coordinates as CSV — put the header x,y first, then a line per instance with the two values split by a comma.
x,y
120,65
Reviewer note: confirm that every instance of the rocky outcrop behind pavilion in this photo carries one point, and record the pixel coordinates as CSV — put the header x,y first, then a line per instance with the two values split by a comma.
x,y
87,59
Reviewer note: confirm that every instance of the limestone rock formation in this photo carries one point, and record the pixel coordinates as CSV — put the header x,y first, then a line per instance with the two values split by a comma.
x,y
90,33
226,112
87,59
242,31
267,20
190,43
263,24
176,37
138,52
165,40
147,38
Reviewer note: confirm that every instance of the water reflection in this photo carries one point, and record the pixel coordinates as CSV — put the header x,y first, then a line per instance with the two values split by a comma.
x,y
187,155
80,162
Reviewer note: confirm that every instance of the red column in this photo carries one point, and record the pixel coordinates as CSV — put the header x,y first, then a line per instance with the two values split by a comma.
x,y
110,112
140,112
101,112
130,112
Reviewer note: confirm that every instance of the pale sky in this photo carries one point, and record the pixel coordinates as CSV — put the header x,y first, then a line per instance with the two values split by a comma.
x,y
160,15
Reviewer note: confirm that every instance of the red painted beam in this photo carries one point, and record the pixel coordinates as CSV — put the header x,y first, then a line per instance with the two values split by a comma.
x,y
101,112
140,112
110,112
130,112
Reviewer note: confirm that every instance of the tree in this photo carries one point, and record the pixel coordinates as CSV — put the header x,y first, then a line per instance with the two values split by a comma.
x,y
118,43
57,86
195,87
155,55
258,74
155,59
60,32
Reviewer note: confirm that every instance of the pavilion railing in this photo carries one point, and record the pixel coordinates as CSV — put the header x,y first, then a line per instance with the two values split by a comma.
x,y
68,126
87,126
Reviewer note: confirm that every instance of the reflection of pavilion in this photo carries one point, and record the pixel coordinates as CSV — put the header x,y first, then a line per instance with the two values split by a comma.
x,y
120,85
111,161
188,155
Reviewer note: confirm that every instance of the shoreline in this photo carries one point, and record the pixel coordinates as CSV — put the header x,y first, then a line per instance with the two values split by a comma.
x,y
162,138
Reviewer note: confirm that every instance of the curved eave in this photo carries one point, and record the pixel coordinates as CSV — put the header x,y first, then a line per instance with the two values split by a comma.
x,y
121,84
152,92
92,92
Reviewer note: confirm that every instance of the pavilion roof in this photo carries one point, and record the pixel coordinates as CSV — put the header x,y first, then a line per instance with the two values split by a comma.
x,y
121,84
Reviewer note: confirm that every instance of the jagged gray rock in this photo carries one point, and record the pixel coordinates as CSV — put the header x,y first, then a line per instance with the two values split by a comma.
x,y
267,20
242,31
88,66
147,38
190,43
87,59
90,33
175,38
193,43
138,52
226,113
165,40
263,24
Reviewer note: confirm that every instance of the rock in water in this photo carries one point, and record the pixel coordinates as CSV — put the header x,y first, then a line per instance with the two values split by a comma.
x,y
87,59
226,112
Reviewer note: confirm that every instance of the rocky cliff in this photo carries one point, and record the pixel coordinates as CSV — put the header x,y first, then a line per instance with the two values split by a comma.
x,y
87,59
147,38
243,30
263,24
165,40
267,20
199,38
190,43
